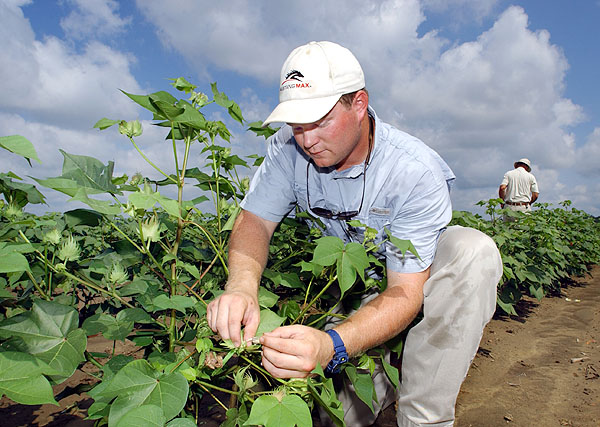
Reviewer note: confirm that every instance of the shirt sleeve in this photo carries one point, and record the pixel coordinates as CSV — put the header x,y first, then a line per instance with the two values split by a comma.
x,y
504,180
534,185
271,194
421,219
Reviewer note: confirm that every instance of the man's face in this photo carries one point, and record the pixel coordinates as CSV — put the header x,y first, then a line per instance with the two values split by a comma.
x,y
332,140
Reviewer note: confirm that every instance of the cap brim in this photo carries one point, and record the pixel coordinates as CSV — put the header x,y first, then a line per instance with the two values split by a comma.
x,y
302,110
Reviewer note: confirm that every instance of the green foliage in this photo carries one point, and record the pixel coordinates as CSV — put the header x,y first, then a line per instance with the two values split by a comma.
x,y
140,266
540,250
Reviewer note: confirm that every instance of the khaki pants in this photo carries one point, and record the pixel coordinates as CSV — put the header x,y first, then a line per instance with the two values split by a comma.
x,y
459,300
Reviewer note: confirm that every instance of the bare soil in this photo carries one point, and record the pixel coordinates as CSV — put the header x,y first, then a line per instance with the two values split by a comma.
x,y
540,368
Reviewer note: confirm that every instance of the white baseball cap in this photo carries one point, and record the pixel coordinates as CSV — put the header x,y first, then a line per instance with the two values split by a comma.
x,y
313,78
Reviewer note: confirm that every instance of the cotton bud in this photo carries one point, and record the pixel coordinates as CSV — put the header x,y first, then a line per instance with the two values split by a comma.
x,y
245,184
131,128
151,230
13,211
129,209
117,274
69,251
52,237
136,179
199,98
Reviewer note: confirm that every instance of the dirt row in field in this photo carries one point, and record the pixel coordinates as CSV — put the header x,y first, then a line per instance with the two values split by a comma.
x,y
541,369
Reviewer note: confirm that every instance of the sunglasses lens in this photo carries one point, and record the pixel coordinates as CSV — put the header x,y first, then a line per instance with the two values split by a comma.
x,y
347,215
322,212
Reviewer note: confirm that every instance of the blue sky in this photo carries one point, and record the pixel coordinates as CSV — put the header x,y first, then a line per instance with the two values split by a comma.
x,y
483,82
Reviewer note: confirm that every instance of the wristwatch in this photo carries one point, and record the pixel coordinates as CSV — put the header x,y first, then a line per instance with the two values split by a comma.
x,y
340,356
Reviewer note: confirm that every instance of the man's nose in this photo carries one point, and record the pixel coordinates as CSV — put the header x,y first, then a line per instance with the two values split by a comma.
x,y
310,138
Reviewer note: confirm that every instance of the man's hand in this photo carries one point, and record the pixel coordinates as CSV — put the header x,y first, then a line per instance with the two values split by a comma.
x,y
232,309
294,351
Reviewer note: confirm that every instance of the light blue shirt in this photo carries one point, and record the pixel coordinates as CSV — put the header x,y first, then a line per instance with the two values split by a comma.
x,y
407,191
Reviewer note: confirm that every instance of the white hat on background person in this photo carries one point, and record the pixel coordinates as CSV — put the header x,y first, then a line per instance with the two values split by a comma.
x,y
525,162
313,79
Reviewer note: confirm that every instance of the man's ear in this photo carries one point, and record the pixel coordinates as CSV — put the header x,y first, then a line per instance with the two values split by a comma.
x,y
361,101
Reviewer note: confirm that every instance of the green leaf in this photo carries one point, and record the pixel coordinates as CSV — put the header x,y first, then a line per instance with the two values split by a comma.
x,y
113,328
89,172
178,302
231,220
105,123
102,206
363,385
46,326
537,292
257,128
13,262
143,416
508,308
391,372
50,332
144,100
22,379
402,244
328,250
235,418
19,192
82,217
182,84
136,287
138,384
65,357
143,200
221,99
352,260
289,280
19,145
136,314
268,321
182,422
63,185
289,412
266,298
327,398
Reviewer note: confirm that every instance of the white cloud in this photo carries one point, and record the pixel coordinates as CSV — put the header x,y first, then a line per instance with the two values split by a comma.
x,y
461,10
588,156
485,103
97,18
482,104
53,95
48,81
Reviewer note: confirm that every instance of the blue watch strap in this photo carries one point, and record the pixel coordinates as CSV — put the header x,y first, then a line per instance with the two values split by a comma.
x,y
340,356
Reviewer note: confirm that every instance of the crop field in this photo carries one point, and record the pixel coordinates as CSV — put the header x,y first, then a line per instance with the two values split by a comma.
x,y
111,299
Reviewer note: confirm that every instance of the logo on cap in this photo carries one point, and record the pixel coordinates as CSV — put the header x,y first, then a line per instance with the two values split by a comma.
x,y
289,84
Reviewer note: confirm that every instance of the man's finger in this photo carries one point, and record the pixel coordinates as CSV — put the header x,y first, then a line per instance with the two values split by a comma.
x,y
281,372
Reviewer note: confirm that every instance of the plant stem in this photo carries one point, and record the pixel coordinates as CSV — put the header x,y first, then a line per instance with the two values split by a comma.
x,y
92,360
203,385
150,162
315,299
218,252
122,233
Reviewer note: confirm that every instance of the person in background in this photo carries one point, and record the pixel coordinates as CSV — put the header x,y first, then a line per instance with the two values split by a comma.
x,y
337,160
519,188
